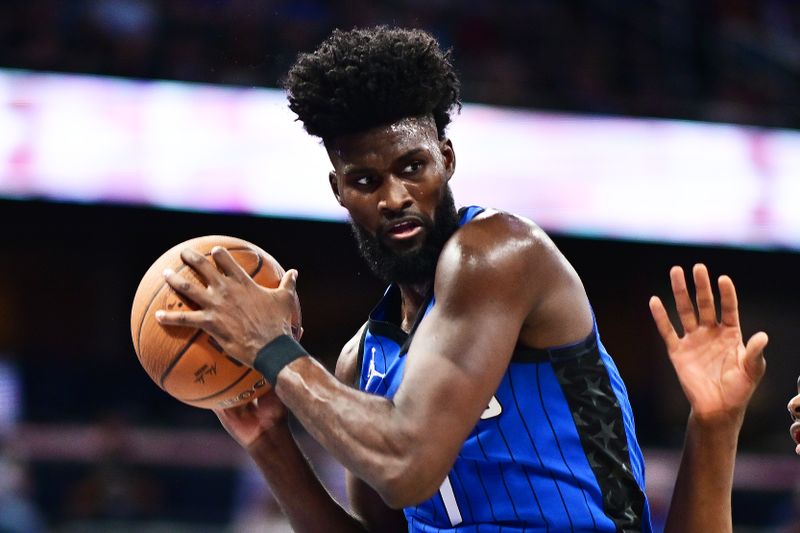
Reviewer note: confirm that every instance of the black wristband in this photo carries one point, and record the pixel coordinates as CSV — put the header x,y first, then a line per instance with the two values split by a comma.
x,y
278,353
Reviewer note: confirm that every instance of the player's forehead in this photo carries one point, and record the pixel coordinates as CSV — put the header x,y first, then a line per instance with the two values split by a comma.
x,y
385,142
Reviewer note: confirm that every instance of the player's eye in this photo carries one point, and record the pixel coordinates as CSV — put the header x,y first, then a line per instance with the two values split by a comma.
x,y
413,167
364,181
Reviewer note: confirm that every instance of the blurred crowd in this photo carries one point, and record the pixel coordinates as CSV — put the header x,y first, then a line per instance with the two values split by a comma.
x,y
729,60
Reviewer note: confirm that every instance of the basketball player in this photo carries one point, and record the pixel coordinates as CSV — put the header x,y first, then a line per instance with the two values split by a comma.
x,y
478,394
794,412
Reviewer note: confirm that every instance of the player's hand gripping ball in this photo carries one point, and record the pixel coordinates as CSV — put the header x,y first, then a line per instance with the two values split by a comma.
x,y
186,362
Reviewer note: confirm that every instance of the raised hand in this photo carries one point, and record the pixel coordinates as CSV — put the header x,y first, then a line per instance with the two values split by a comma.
x,y
241,315
717,371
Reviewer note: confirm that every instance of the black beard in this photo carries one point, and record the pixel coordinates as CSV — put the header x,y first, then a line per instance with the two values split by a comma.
x,y
413,267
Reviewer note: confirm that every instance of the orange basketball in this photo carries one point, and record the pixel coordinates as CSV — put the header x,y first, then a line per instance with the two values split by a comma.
x,y
186,362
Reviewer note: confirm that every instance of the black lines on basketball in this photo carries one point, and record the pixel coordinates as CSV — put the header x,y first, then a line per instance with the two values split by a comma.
x,y
193,338
179,268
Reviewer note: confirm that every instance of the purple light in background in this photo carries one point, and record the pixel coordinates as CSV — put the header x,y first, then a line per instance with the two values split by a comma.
x,y
10,397
212,148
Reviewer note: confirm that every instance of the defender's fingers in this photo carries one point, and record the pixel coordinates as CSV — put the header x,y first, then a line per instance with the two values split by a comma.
x,y
184,287
663,323
728,302
200,264
289,281
754,362
228,265
683,302
704,296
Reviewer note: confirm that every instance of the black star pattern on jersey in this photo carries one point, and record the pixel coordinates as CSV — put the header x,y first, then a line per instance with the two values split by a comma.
x,y
598,418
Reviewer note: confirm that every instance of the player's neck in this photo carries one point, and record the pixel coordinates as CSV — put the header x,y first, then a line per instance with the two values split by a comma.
x,y
412,297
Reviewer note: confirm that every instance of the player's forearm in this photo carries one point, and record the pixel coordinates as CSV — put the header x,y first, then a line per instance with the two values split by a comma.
x,y
365,432
701,501
306,503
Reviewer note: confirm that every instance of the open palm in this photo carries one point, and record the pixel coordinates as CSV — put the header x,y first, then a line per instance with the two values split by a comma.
x,y
717,371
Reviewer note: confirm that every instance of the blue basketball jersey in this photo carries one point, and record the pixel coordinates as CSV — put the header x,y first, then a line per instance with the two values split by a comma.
x,y
555,449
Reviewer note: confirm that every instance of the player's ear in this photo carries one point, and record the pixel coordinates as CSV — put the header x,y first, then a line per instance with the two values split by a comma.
x,y
334,185
446,146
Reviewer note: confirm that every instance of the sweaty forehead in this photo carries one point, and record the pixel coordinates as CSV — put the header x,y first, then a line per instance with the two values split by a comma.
x,y
384,142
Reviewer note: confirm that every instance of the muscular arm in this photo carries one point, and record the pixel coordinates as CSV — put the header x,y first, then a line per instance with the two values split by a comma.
x,y
364,501
485,289
304,500
499,280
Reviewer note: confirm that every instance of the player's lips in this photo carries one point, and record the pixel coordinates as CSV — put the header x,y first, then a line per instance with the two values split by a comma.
x,y
795,431
403,229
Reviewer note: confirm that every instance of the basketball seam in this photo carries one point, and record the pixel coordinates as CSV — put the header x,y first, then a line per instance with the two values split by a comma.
x,y
178,356
181,267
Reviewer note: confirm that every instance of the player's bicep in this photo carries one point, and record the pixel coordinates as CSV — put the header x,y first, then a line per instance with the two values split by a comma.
x,y
370,508
454,366
468,355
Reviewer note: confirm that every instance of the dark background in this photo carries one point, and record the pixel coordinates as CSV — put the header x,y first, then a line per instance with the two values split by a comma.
x,y
68,272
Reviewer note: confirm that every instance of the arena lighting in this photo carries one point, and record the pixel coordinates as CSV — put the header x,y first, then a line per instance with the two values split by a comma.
x,y
10,397
211,148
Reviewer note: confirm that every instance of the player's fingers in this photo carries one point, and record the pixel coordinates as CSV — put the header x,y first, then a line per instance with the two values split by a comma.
x,y
663,323
181,285
195,319
728,302
228,265
683,303
704,296
223,414
231,413
754,362
200,264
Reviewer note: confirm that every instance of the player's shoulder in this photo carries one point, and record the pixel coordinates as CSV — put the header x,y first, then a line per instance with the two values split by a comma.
x,y
513,259
497,239
347,364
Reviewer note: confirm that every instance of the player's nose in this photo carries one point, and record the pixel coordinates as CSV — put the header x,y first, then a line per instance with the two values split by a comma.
x,y
394,195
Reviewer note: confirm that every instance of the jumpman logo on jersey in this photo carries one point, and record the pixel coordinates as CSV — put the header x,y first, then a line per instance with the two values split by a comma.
x,y
371,372
493,409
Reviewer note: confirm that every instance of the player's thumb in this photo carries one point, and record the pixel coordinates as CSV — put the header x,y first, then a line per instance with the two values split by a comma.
x,y
289,281
754,362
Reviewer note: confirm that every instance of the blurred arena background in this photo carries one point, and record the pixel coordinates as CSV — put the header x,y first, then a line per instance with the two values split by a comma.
x,y
639,134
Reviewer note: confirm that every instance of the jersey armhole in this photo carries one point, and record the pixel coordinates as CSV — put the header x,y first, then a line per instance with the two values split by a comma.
x,y
360,358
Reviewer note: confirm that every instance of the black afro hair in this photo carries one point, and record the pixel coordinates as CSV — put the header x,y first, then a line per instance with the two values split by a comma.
x,y
363,78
